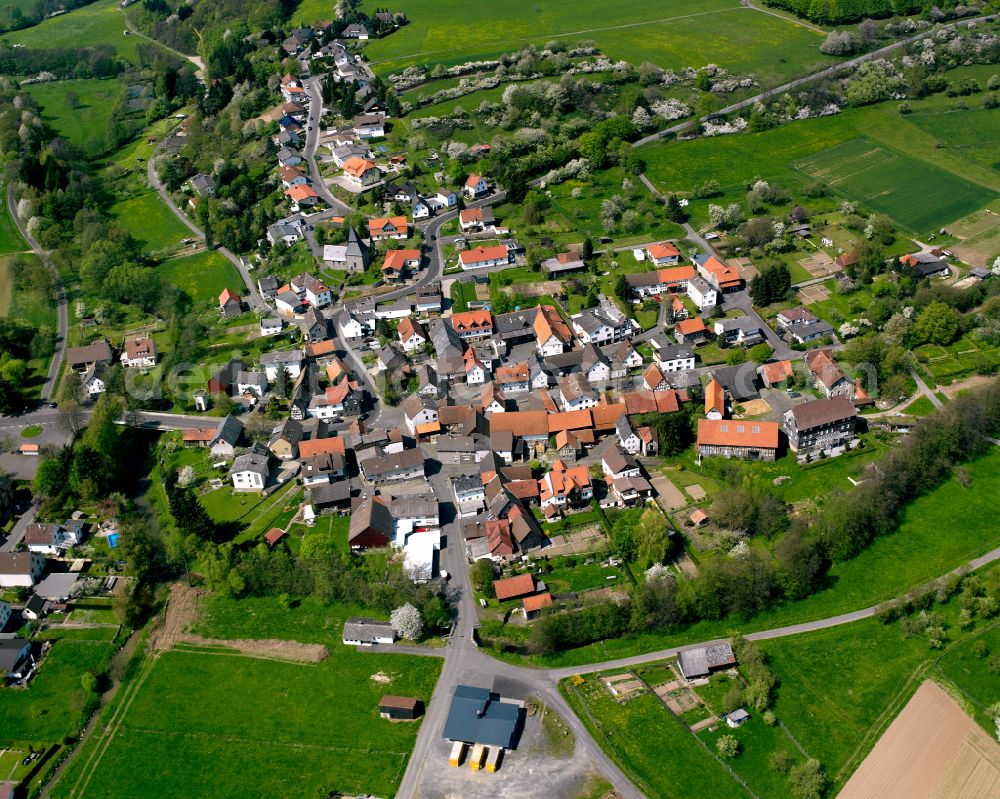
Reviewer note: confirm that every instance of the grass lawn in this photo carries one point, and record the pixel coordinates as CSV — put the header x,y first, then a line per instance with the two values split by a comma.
x,y
735,161
581,577
889,182
85,125
202,276
669,34
757,742
651,745
10,237
938,532
53,705
461,295
206,722
98,23
970,674
920,407
830,702
150,222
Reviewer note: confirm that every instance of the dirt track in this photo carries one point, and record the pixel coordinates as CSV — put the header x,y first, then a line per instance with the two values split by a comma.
x,y
182,610
931,751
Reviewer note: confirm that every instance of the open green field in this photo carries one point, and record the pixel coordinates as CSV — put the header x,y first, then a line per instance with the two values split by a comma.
x,y
207,722
53,705
894,183
671,34
202,276
650,744
831,701
757,742
151,222
99,23
85,125
10,238
969,673
938,532
735,161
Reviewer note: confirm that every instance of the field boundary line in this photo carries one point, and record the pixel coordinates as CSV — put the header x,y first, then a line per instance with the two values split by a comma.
x,y
243,739
108,733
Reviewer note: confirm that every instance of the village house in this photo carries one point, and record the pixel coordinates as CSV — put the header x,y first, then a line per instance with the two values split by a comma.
x,y
472,325
395,467
97,354
475,220
564,263
742,330
721,277
564,487
715,400
139,351
776,373
663,254
230,303
820,424
484,257
661,281
335,402
602,325
748,440
552,334
925,264
701,293
285,438
412,335
292,176
302,196
250,470
289,360
827,374
361,172
203,185
369,126
400,263
285,232
20,569
271,326
513,378
475,187
384,229
690,331
53,539
476,371
311,289
576,393
675,357
653,379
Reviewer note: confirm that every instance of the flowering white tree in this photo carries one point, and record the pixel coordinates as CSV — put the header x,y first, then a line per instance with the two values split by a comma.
x,y
658,576
407,622
185,476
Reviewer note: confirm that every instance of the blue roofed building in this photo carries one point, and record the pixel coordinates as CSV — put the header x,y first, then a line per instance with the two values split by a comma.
x,y
479,716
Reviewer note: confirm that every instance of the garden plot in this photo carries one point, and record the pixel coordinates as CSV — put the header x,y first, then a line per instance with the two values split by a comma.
x,y
624,687
819,264
811,294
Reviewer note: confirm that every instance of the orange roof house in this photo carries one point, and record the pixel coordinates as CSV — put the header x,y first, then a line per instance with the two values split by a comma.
x,y
479,255
322,446
690,327
675,275
401,259
777,372
393,225
533,604
472,323
549,324
724,276
663,251
563,483
738,438
514,587
715,400
301,192
356,167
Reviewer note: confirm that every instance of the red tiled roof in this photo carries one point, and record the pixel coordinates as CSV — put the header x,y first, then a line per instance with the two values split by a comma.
x,y
537,602
322,446
736,433
514,587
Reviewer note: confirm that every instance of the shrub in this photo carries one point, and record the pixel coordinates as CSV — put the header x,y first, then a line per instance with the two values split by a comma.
x,y
727,746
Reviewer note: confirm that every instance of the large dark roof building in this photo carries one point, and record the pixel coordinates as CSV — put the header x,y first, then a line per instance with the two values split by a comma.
x,y
479,716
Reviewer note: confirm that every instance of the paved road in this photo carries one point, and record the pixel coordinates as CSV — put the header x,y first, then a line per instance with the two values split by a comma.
x,y
198,63
18,530
61,312
923,388
821,73
251,294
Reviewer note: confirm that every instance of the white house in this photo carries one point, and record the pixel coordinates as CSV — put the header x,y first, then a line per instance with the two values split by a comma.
x,y
475,371
418,410
292,360
702,293
139,351
675,357
412,335
271,326
20,569
352,328
250,471
312,290
476,186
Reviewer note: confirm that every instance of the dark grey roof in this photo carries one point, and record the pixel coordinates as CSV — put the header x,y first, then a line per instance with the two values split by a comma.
x,y
699,661
387,464
361,629
515,323
229,430
673,352
823,412
330,493
809,329
252,461
740,380
478,716
11,653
